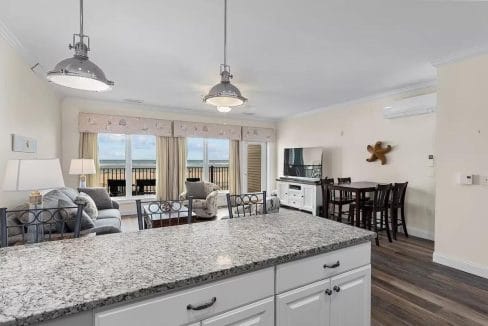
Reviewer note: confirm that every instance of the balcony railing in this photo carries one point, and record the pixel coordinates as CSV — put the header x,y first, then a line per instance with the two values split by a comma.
x,y
144,179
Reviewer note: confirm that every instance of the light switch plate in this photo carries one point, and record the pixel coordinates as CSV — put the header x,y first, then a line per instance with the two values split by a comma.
x,y
484,180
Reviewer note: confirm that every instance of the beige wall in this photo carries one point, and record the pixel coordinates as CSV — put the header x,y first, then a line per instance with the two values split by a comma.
x,y
345,131
461,237
29,107
71,107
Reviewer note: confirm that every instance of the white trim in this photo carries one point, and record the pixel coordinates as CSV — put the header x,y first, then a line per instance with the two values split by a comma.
x,y
408,88
419,233
26,56
463,265
460,55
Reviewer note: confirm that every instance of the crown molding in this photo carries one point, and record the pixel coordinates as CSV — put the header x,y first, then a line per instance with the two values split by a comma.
x,y
460,55
17,45
387,93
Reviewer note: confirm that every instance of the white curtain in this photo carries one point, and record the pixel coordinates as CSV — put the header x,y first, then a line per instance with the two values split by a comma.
x,y
88,148
234,167
170,167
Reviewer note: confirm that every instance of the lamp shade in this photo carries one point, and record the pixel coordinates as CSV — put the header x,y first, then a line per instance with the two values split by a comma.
x,y
82,166
30,175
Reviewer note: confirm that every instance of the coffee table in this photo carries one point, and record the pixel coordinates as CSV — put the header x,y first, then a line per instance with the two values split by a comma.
x,y
154,217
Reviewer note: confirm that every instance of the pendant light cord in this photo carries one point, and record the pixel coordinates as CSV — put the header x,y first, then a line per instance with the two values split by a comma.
x,y
81,17
225,34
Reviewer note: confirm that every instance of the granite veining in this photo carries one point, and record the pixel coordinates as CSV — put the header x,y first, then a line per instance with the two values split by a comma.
x,y
45,281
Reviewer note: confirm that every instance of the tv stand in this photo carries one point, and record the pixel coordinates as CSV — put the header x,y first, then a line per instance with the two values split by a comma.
x,y
302,194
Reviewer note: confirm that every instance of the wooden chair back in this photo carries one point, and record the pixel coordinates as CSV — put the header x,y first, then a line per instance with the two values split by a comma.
x,y
398,194
381,197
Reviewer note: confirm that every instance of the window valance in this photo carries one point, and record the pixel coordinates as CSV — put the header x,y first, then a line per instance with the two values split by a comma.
x,y
101,123
258,134
206,130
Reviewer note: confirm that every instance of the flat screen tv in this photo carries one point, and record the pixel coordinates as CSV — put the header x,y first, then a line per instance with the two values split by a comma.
x,y
304,162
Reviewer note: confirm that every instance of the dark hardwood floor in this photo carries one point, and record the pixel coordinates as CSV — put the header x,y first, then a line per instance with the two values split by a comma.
x,y
409,289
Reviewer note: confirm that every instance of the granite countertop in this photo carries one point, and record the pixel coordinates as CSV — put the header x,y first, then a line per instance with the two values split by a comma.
x,y
53,279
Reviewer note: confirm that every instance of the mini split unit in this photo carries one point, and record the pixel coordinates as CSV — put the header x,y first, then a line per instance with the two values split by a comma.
x,y
415,105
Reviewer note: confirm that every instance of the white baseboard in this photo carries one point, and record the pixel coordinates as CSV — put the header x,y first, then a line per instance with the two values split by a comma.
x,y
465,266
419,233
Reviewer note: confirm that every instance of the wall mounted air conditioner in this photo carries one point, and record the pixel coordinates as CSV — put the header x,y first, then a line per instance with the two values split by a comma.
x,y
416,105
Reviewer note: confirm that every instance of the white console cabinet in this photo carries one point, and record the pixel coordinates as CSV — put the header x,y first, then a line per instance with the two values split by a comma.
x,y
303,195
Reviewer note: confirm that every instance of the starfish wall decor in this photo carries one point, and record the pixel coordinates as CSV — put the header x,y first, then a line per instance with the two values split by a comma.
x,y
378,152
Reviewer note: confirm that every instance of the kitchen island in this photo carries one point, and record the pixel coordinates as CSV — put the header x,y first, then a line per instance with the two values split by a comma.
x,y
212,273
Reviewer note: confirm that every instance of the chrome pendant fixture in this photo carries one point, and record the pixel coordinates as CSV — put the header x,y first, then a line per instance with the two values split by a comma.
x,y
224,95
79,72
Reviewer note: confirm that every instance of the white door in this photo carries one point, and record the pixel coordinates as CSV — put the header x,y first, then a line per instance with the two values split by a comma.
x,y
305,306
351,298
260,313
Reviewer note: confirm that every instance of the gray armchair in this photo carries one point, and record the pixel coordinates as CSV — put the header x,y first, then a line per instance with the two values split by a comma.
x,y
204,203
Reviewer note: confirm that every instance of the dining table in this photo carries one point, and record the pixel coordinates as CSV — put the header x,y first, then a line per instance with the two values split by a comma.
x,y
360,189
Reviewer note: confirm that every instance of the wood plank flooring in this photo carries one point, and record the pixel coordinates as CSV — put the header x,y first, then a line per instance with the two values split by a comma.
x,y
409,289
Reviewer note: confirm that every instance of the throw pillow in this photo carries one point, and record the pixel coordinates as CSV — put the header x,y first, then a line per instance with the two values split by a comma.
x,y
86,221
51,200
89,205
70,192
196,189
100,197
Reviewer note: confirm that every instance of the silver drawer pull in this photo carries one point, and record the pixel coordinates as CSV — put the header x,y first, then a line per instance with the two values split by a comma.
x,y
333,265
202,306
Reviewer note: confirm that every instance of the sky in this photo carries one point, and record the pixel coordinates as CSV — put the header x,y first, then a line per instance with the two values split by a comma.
x,y
112,147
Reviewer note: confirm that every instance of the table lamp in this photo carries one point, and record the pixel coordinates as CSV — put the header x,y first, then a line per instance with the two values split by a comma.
x,y
33,175
82,167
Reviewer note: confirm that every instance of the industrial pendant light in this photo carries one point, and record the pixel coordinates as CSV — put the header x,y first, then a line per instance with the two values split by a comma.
x,y
79,72
224,95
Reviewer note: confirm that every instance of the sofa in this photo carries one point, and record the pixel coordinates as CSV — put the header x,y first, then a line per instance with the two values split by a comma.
x,y
204,198
100,215
107,219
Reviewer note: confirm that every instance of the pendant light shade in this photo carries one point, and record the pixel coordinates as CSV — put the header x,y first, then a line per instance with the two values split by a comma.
x,y
79,72
224,95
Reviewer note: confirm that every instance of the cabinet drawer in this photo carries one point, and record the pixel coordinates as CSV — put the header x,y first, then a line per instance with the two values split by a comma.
x,y
304,271
260,313
173,309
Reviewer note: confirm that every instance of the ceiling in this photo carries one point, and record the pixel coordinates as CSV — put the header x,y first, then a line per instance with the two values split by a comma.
x,y
287,56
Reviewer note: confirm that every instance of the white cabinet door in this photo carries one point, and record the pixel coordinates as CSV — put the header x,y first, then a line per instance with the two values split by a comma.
x,y
309,198
260,313
283,192
305,306
351,298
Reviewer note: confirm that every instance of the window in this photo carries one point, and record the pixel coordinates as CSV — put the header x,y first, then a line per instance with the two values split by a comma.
x,y
119,154
208,159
